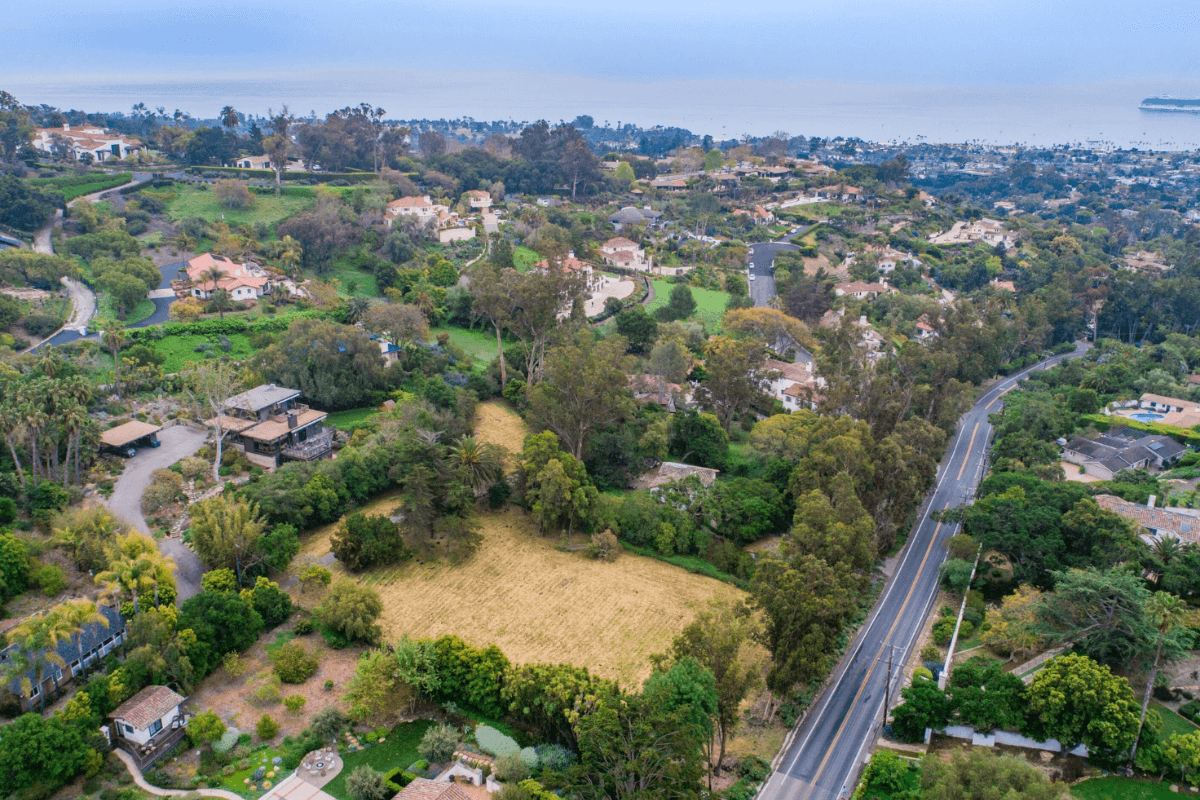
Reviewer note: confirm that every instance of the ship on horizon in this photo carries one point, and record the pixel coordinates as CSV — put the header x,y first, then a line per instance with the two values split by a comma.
x,y
1167,103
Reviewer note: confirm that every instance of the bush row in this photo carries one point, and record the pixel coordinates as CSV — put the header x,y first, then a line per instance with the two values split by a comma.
x,y
1181,435
224,327
269,174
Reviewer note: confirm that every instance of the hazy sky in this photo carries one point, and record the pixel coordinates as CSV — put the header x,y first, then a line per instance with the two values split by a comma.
x,y
874,41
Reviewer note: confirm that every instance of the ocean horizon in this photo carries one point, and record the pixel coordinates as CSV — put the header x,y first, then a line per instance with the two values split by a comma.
x,y
1097,114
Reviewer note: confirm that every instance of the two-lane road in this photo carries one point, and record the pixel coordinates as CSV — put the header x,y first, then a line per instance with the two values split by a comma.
x,y
822,758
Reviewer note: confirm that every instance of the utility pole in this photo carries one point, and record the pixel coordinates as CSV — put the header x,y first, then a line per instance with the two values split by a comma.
x,y
887,687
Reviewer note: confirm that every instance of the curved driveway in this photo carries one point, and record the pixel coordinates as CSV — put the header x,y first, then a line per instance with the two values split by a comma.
x,y
822,757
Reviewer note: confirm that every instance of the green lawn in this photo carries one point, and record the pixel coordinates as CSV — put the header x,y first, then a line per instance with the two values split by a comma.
x,y
710,305
524,258
480,343
104,308
1172,723
345,420
400,750
1111,788
179,351
348,277
193,202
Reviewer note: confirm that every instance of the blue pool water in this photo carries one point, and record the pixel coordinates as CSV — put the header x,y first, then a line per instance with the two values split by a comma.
x,y
1146,416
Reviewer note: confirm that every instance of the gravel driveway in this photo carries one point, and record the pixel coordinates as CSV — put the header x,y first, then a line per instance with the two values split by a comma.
x,y
178,442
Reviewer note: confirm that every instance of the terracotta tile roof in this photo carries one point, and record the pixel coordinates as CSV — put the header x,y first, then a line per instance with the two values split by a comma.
x,y
148,705
1159,520
791,371
619,243
425,789
411,202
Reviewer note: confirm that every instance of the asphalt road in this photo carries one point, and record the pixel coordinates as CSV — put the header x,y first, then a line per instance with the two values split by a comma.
x,y
822,758
762,288
178,442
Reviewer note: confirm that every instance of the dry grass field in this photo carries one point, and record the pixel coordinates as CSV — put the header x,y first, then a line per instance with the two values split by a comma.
x,y
539,603
497,423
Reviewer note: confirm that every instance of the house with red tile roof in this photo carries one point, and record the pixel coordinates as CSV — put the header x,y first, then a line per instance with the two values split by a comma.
x,y
621,252
422,208
84,142
241,281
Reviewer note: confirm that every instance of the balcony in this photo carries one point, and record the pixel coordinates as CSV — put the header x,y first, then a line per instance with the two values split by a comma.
x,y
318,444
159,745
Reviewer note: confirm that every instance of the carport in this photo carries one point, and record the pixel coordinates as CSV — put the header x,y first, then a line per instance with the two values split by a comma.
x,y
126,438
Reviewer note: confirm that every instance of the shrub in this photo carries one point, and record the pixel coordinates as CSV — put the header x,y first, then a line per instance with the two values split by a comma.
x,y
943,630
329,686
266,728
530,757
228,770
493,741
295,702
293,663
398,778
922,672
365,783
754,768
554,757
266,689
329,723
931,653
49,578
303,627
439,743
234,664
511,768
226,743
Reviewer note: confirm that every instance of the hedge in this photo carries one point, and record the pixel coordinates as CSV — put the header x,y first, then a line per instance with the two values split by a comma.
x,y
76,186
269,174
694,565
398,778
224,327
1181,435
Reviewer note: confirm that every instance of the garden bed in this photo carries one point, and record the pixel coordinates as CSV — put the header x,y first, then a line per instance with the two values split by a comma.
x,y
399,750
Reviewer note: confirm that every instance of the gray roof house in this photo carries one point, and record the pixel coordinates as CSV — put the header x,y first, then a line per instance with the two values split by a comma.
x,y
631,215
96,642
1122,448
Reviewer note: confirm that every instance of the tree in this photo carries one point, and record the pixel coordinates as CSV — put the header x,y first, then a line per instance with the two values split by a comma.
x,y
481,462
293,663
585,387
223,623
366,783
114,337
329,723
638,327
733,378
277,145
924,706
1166,612
351,610
680,304
230,118
210,385
335,366
400,322
637,748
377,688
978,774
492,298
556,484
1075,700
687,686
365,541
438,744
232,194
272,603
226,533
35,643
266,728
79,614
1010,629
1101,614
716,639
698,438
134,567
985,696
538,297
624,172
40,752
205,728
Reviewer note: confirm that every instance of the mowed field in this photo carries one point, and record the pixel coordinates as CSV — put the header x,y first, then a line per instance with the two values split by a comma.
x,y
710,304
497,423
537,603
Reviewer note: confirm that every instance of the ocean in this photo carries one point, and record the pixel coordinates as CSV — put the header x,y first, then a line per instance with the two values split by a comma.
x,y
1102,114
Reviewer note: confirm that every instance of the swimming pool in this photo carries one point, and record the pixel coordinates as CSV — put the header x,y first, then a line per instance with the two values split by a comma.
x,y
1146,416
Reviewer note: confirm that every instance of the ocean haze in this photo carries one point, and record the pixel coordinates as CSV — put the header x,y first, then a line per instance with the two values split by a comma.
x,y
1013,71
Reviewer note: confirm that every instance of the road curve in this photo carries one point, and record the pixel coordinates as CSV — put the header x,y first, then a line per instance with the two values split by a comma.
x,y
823,755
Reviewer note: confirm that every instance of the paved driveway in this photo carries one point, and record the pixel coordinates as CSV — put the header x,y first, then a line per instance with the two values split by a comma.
x,y
178,442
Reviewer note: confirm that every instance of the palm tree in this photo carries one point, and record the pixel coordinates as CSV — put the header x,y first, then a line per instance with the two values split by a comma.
x,y
1166,549
483,463
36,640
12,426
356,309
132,574
79,614
222,302
290,256
1165,612
230,118
114,338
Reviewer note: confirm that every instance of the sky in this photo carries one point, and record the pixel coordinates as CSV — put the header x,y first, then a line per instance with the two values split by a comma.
x,y
1046,71
872,41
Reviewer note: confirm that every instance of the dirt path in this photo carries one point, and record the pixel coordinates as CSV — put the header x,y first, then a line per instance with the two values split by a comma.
x,y
154,790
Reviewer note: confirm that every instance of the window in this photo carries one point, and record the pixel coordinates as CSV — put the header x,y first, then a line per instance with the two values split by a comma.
x,y
128,729
156,727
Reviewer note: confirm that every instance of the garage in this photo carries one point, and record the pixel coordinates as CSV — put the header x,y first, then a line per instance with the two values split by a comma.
x,y
126,439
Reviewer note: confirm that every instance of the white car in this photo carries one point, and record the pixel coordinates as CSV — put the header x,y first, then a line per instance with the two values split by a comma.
x,y
751,277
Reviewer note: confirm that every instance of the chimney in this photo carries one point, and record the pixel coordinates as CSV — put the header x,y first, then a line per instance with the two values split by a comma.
x,y
270,386
292,419
66,126
1150,501
863,320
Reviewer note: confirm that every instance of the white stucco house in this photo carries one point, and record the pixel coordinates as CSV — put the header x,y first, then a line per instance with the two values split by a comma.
x,y
85,142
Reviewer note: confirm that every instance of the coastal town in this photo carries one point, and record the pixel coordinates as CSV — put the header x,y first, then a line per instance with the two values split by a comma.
x,y
361,457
